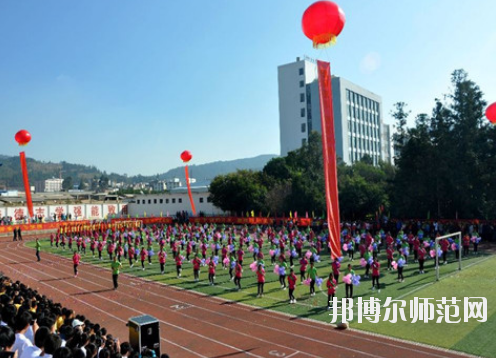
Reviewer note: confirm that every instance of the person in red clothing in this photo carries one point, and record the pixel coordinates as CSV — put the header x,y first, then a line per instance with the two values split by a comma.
x,y
76,258
189,248
444,248
238,272
130,255
375,274
332,285
119,252
211,271
143,255
240,253
100,249
179,265
466,245
389,255
161,259
196,268
303,268
260,280
224,256
416,245
292,285
335,269
421,252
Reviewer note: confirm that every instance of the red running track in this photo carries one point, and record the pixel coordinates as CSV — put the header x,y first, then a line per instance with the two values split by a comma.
x,y
191,324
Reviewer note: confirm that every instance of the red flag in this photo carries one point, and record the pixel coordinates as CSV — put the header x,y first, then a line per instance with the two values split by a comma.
x,y
27,187
329,153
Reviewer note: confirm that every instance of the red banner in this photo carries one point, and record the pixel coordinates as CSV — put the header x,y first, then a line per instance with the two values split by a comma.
x,y
27,187
329,153
189,191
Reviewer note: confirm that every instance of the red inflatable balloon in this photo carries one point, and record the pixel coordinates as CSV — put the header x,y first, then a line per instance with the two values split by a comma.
x,y
186,156
491,113
23,137
322,22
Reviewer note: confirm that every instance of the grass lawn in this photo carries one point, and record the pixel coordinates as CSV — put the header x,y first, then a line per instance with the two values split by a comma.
x,y
477,279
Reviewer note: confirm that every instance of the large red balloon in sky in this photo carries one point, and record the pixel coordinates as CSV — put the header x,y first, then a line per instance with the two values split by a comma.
x,y
186,156
322,22
23,137
491,113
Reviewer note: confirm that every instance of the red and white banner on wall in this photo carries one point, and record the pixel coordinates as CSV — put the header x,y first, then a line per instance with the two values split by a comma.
x,y
329,153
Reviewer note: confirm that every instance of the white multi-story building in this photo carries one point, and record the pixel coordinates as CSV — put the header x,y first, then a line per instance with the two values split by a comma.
x,y
358,124
53,185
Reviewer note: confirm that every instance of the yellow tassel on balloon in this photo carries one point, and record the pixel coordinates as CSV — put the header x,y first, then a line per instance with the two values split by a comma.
x,y
324,40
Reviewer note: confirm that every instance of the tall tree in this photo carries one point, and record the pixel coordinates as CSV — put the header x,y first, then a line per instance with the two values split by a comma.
x,y
67,184
400,115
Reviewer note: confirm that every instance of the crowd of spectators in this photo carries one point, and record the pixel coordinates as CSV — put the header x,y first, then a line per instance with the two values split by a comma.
x,y
32,326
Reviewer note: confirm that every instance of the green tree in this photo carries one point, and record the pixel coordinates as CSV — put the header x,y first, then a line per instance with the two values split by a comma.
x,y
242,191
400,114
67,184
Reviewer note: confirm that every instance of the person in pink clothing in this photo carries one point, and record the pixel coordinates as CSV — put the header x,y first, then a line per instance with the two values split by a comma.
x,y
260,280
76,258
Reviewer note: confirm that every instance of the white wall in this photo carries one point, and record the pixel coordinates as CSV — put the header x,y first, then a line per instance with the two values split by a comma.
x,y
88,211
157,209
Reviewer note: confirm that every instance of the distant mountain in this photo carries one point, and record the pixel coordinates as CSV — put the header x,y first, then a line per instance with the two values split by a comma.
x,y
11,178
207,172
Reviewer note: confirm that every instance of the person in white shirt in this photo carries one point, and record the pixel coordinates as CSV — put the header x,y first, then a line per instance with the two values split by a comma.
x,y
39,341
21,325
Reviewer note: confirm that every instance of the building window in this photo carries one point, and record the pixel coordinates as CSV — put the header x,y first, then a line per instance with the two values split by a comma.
x,y
173,200
303,127
138,201
209,200
201,200
303,142
301,71
302,83
179,200
167,201
302,112
154,201
161,201
149,201
302,97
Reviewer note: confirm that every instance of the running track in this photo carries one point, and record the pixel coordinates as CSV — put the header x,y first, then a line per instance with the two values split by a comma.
x,y
193,325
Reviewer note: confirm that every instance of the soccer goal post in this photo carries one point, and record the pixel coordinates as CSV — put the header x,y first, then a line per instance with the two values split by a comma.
x,y
455,235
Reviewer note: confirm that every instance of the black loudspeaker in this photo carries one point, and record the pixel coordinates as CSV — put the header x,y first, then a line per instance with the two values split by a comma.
x,y
144,332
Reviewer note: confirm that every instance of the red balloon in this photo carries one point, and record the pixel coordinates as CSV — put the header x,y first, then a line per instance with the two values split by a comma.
x,y
322,22
491,113
186,156
23,137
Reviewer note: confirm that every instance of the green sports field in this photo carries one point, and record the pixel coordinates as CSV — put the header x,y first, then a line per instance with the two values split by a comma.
x,y
477,279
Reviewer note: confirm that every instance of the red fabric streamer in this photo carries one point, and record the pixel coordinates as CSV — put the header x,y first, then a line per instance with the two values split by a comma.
x,y
27,188
329,153
189,191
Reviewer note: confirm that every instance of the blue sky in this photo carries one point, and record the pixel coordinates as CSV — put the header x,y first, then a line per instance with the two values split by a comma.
x,y
128,85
